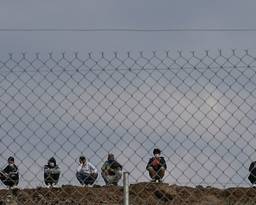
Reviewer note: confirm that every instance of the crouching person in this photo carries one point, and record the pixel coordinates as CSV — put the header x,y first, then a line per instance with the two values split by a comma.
x,y
111,171
51,172
156,166
252,176
10,175
86,172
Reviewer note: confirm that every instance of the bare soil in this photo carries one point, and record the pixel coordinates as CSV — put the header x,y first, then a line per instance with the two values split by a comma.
x,y
140,194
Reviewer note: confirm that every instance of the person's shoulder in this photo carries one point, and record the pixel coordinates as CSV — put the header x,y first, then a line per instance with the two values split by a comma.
x,y
90,164
117,162
254,162
9,167
6,168
105,163
162,158
151,159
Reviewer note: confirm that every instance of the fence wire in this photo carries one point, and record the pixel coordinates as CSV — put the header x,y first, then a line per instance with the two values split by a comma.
x,y
199,108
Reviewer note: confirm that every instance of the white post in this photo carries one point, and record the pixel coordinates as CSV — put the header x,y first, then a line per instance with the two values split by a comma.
x,y
126,187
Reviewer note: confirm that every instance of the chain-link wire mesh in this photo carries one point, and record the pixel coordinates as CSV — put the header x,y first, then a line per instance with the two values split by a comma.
x,y
199,108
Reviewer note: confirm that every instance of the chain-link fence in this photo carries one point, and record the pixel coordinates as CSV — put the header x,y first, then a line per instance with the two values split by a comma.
x,y
199,108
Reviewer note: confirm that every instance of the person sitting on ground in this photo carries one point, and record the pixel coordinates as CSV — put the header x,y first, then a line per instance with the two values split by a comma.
x,y
86,172
10,175
252,176
111,171
51,172
156,166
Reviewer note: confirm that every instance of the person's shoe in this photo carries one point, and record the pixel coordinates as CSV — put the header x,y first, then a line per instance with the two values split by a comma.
x,y
153,180
254,185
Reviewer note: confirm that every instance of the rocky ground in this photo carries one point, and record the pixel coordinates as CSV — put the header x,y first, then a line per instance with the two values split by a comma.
x,y
140,194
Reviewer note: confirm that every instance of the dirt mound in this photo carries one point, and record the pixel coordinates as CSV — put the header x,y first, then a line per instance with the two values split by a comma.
x,y
141,193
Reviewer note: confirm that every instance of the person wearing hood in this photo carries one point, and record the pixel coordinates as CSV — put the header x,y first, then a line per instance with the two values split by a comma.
x,y
252,175
86,172
10,175
111,171
51,172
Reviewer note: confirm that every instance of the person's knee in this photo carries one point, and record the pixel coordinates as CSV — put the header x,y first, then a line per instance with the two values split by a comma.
x,y
119,174
94,175
81,178
161,172
152,172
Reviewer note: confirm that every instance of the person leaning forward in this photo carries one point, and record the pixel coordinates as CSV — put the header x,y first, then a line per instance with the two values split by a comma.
x,y
252,176
86,172
111,171
51,172
10,175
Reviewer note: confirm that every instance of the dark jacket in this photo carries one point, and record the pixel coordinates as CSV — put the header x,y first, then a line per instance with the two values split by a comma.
x,y
10,175
110,167
156,166
51,174
252,170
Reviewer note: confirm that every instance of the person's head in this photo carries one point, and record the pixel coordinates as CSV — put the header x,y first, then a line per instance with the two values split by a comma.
x,y
10,160
111,156
82,159
157,152
52,162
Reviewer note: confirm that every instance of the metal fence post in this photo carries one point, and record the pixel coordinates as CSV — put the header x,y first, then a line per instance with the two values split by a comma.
x,y
126,187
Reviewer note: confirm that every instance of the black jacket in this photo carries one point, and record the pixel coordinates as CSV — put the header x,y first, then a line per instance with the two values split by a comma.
x,y
10,175
252,170
51,174
161,164
110,166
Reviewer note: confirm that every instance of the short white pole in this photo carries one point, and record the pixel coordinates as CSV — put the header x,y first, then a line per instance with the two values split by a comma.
x,y
126,187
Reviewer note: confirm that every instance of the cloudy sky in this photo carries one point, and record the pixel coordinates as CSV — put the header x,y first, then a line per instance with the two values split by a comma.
x,y
139,14
39,108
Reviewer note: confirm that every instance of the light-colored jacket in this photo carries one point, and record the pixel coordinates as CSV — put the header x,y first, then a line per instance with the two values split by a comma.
x,y
87,168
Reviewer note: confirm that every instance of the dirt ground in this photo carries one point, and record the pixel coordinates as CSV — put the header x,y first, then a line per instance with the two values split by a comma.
x,y
140,194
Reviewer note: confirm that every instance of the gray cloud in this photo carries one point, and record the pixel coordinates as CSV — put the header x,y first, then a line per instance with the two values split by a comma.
x,y
132,14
